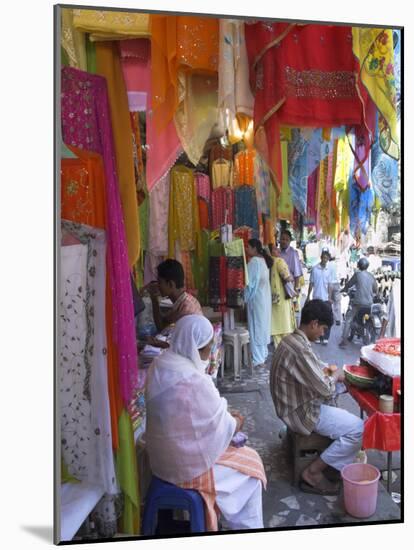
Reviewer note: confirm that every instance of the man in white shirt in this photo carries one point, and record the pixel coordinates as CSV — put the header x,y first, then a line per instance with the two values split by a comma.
x,y
375,261
320,283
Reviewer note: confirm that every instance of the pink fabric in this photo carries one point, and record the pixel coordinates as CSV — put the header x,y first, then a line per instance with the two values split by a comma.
x,y
164,148
86,123
138,48
222,200
203,186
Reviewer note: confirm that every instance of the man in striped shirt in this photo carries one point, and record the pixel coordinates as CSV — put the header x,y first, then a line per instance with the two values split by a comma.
x,y
303,390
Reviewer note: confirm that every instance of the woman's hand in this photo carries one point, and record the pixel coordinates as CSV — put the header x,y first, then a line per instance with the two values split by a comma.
x,y
239,420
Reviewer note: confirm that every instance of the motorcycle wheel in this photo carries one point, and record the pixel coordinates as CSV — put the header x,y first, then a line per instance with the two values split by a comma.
x,y
367,335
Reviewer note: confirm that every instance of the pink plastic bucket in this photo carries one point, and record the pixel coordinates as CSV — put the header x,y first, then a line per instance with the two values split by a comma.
x,y
360,489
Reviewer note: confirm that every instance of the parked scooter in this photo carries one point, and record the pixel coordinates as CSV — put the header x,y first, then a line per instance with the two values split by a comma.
x,y
368,322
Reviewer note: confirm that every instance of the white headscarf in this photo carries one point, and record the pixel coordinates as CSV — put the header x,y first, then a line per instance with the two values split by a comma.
x,y
191,333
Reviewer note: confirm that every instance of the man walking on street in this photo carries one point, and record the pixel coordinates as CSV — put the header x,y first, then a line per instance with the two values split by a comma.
x,y
320,283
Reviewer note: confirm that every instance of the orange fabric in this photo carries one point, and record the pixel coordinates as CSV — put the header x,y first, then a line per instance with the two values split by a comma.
x,y
108,64
203,214
244,460
179,44
83,201
244,167
83,188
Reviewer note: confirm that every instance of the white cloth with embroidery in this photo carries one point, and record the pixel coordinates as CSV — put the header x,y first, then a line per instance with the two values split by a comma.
x,y
86,438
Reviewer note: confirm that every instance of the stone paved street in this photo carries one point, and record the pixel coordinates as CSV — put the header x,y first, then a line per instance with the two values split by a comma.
x,y
285,506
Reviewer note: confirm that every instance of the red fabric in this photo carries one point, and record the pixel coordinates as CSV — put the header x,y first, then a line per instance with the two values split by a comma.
x,y
381,431
301,75
203,214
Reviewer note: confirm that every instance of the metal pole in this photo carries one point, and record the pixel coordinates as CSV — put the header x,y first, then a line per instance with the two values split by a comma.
x,y
389,468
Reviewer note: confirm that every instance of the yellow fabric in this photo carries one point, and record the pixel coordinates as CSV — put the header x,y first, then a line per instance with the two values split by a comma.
x,y
108,64
73,41
112,25
374,49
197,112
127,474
326,134
343,164
183,220
222,173
282,322
285,206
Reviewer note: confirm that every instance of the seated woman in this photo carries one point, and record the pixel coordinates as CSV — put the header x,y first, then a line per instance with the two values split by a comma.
x,y
189,431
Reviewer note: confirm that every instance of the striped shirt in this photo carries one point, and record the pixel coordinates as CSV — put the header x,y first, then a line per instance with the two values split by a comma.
x,y
298,384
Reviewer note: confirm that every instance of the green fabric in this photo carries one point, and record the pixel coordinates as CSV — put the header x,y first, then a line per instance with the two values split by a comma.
x,y
90,55
64,59
143,212
200,268
65,476
236,248
215,248
127,474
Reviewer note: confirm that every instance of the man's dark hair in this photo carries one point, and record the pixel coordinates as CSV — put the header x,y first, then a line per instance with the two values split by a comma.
x,y
171,270
286,232
317,310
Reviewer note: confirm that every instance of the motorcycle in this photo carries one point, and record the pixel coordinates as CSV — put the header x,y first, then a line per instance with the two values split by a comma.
x,y
368,322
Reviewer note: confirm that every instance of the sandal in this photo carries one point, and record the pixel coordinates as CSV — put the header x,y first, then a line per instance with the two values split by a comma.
x,y
324,488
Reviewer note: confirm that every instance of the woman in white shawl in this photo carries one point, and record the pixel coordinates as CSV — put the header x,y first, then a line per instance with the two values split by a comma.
x,y
189,430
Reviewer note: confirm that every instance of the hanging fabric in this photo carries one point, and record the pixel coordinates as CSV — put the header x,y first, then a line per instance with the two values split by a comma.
x,y
111,25
73,41
83,379
263,182
384,175
234,94
244,167
183,221
374,49
298,170
285,204
158,220
108,65
86,124
245,208
222,207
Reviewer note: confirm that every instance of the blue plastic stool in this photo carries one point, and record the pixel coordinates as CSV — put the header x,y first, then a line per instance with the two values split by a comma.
x,y
166,496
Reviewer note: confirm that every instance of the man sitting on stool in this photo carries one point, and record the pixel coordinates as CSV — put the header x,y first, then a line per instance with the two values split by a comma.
x,y
302,389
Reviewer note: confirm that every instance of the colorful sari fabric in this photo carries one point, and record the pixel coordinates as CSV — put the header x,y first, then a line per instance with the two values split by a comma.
x,y
221,173
234,95
222,207
158,220
311,198
86,124
184,78
374,49
73,41
298,170
302,75
111,25
183,221
244,167
83,188
139,169
180,45
245,208
262,183
285,206
203,186
384,175
360,209
108,65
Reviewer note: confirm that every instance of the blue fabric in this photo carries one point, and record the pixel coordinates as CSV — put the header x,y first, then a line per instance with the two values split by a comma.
x,y
258,298
298,170
245,206
384,174
360,208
